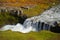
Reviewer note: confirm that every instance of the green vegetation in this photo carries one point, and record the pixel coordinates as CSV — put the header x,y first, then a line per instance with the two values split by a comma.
x,y
6,18
38,9
10,18
35,11
42,35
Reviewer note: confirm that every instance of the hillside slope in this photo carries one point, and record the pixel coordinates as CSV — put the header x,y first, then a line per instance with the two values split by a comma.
x,y
25,2
42,35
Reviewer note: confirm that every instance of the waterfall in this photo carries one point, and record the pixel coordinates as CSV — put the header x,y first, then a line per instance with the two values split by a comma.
x,y
37,23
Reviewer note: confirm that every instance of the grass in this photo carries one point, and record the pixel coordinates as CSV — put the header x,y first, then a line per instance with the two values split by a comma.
x,y
38,9
35,11
19,3
42,35
5,18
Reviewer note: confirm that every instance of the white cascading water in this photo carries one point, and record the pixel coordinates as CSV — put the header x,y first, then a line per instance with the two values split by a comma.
x,y
30,24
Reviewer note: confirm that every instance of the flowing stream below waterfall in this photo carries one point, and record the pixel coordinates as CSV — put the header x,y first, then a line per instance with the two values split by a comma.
x,y
37,23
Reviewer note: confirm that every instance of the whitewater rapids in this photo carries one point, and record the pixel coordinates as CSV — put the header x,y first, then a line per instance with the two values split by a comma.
x,y
18,27
31,24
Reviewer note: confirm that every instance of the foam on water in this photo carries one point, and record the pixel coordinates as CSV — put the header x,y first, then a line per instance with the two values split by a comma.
x,y
31,24
18,27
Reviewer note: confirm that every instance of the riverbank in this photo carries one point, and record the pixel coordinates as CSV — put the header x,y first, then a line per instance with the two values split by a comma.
x,y
42,35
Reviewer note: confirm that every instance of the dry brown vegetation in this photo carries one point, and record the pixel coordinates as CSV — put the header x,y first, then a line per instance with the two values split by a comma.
x,y
25,2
